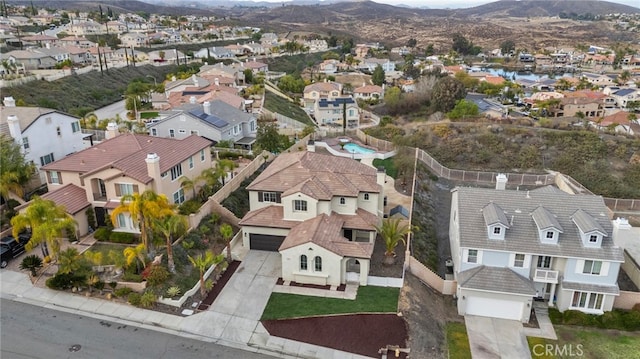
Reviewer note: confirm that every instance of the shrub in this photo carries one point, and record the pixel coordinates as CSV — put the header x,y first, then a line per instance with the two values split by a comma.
x,y
130,276
636,307
102,234
147,299
134,298
31,263
123,292
65,281
611,320
189,207
173,291
555,315
99,285
157,275
576,317
631,320
122,237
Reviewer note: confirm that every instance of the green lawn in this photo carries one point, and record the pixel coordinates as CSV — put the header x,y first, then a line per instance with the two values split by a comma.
x,y
277,104
388,165
587,344
457,341
104,248
370,299
148,115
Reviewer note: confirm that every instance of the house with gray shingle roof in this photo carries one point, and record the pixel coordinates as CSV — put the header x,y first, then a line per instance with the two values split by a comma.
x,y
320,212
510,248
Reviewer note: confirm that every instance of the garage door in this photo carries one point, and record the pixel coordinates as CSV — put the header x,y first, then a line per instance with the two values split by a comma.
x,y
495,308
265,242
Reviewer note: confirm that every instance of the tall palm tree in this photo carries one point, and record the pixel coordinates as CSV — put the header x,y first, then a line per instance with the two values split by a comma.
x,y
69,261
135,254
227,233
392,233
144,207
170,226
47,222
10,183
222,167
202,262
189,184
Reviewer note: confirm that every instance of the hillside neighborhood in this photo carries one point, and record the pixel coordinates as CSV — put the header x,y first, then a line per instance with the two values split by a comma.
x,y
317,195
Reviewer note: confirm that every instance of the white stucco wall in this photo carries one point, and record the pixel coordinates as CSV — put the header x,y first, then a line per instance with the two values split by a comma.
x,y
289,213
331,273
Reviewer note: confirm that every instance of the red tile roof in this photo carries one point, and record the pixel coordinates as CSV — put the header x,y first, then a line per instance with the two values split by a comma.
x,y
70,196
128,152
619,118
317,175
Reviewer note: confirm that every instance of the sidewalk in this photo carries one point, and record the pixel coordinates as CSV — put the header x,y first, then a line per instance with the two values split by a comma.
x,y
209,326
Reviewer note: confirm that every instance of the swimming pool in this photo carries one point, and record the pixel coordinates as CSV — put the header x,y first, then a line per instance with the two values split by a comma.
x,y
355,148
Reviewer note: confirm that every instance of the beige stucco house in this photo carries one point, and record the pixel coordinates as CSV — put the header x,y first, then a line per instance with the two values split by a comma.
x,y
127,164
320,213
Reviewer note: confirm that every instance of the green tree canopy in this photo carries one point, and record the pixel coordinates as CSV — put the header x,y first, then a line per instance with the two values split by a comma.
x,y
378,76
15,171
463,109
446,92
268,138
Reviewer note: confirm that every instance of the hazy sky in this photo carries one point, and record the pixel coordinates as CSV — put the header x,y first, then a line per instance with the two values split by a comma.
x,y
469,3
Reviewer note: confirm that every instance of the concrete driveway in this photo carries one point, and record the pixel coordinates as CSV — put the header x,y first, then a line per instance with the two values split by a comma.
x,y
235,315
496,338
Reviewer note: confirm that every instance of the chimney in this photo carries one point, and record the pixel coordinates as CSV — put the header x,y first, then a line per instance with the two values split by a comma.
x,y
14,128
192,100
501,181
311,146
153,170
112,130
381,176
206,107
9,102
216,81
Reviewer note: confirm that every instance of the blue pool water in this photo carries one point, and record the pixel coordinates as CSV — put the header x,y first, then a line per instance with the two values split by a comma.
x,y
354,148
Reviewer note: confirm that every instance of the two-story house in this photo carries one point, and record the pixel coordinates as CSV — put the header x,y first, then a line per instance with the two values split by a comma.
x,y
320,90
215,120
126,164
45,135
512,247
336,111
320,213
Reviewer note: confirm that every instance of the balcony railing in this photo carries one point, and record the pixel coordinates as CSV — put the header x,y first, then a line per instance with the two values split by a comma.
x,y
98,197
545,276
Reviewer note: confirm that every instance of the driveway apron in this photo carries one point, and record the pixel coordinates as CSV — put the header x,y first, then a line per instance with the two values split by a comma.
x,y
496,338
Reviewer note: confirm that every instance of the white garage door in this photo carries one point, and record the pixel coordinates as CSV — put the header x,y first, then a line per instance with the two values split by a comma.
x,y
495,308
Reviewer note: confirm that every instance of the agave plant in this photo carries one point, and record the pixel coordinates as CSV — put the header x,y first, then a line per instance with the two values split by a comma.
x,y
173,291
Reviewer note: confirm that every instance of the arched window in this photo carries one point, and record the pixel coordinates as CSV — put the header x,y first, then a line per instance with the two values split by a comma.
x,y
303,262
366,196
342,200
317,264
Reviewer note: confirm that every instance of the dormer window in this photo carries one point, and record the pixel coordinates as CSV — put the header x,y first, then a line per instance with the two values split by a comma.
x,y
496,221
549,235
549,228
593,238
497,230
591,232
343,201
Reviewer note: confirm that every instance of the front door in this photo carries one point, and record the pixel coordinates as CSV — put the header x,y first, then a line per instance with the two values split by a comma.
x,y
100,216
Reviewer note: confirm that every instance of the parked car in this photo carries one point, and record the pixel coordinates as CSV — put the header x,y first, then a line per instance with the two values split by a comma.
x,y
11,248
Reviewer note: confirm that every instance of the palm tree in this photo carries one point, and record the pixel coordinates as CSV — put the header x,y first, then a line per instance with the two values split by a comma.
x,y
31,263
144,207
222,167
202,262
69,261
169,226
189,184
227,233
211,178
47,222
135,254
392,233
10,183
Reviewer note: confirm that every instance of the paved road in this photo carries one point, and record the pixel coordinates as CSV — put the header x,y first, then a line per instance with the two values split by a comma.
x,y
110,111
34,332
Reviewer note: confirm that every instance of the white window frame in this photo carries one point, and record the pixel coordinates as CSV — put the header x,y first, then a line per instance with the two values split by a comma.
x,y
519,263
366,196
592,267
549,235
55,177
182,131
343,201
202,158
497,230
154,132
172,133
178,196
475,256
304,263
195,132
270,197
25,143
587,300
75,126
125,188
191,162
176,172
46,159
317,264
593,238
299,205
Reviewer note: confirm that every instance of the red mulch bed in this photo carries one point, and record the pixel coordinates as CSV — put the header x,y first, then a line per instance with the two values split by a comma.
x,y
217,288
340,288
362,334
